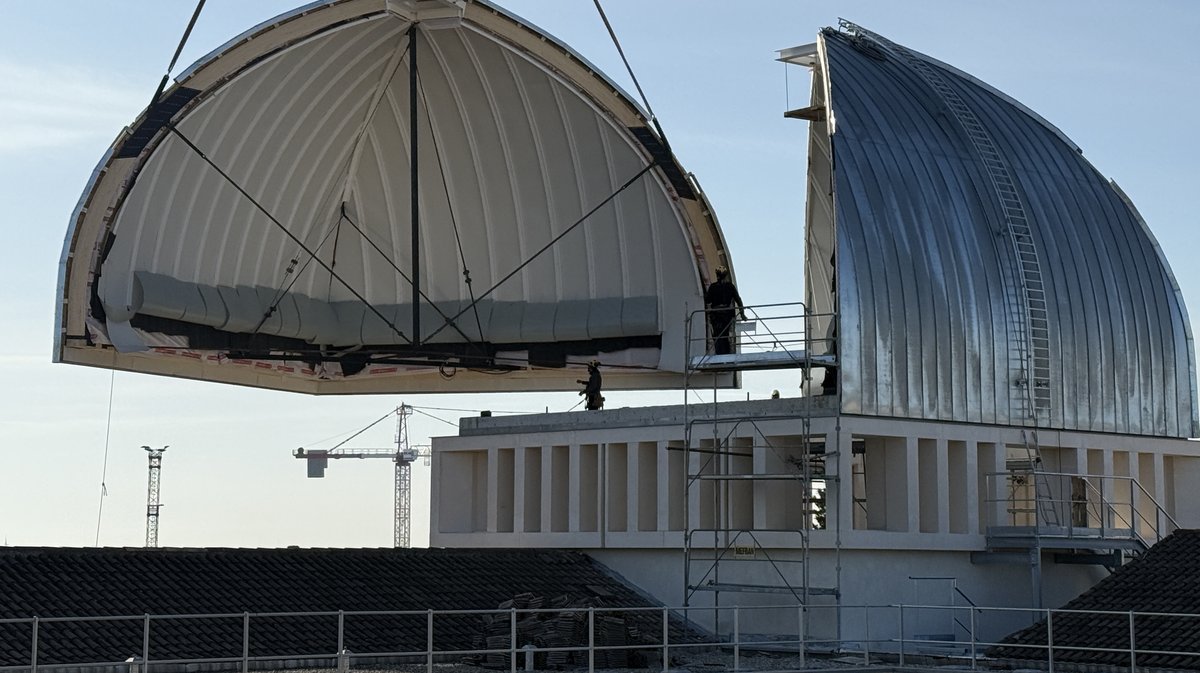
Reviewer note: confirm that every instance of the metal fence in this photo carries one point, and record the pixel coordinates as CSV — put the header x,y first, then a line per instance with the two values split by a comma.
x,y
732,637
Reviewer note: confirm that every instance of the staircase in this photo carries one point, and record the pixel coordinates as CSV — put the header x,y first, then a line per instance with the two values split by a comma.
x,y
1093,514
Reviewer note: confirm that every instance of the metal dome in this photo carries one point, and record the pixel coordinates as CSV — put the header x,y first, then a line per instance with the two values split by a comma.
x,y
985,271
254,226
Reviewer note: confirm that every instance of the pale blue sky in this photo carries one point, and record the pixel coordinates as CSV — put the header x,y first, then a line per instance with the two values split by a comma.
x,y
1119,78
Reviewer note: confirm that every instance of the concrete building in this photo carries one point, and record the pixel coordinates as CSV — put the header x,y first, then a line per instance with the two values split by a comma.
x,y
1014,370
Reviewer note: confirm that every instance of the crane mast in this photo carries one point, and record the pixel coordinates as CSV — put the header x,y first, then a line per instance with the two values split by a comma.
x,y
402,456
402,528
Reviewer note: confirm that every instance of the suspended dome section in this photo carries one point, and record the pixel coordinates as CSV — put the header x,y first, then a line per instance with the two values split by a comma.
x,y
256,225
982,270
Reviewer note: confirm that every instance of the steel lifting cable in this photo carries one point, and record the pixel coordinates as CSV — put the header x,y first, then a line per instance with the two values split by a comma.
x,y
358,138
549,245
200,153
162,85
291,270
372,424
397,269
629,69
437,151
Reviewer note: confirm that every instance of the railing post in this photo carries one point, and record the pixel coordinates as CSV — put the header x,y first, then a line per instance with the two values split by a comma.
x,y
867,635
901,607
33,651
1132,646
974,659
343,655
1133,511
145,643
1104,507
666,647
512,640
429,641
737,639
803,663
591,640
341,646
1049,641
245,642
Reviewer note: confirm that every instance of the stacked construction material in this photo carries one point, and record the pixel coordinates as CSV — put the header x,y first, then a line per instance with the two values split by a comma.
x,y
558,631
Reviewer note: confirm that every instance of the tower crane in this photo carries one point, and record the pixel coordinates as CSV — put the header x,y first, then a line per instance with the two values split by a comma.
x,y
403,455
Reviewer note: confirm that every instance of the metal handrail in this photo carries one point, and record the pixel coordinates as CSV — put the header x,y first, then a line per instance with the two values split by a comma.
x,y
888,619
795,336
1153,516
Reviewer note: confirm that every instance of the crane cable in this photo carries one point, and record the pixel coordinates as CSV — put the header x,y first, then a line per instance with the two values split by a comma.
x,y
629,69
287,232
371,425
466,272
529,260
162,84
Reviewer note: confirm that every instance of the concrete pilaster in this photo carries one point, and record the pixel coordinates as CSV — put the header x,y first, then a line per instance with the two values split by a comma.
x,y
973,478
518,489
493,489
633,485
663,495
547,488
573,496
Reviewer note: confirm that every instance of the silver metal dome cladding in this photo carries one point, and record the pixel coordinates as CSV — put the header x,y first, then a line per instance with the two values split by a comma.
x,y
985,271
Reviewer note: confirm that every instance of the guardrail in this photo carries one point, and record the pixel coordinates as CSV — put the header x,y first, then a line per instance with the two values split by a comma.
x,y
767,328
1076,506
732,637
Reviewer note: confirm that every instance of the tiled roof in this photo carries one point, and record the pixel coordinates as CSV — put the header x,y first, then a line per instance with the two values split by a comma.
x,y
1164,580
57,582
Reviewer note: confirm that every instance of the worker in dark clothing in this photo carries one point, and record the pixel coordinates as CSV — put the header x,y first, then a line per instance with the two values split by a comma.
x,y
829,383
591,387
721,298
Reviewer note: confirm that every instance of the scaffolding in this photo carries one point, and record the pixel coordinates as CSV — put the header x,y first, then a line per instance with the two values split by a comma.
x,y
731,463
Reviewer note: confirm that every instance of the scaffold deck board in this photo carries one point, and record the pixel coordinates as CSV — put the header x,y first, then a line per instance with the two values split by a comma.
x,y
765,589
781,359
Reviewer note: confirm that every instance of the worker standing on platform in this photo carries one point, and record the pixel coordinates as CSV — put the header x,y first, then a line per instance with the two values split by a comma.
x,y
591,387
720,298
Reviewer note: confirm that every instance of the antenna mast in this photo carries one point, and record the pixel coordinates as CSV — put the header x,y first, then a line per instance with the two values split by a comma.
x,y
155,456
